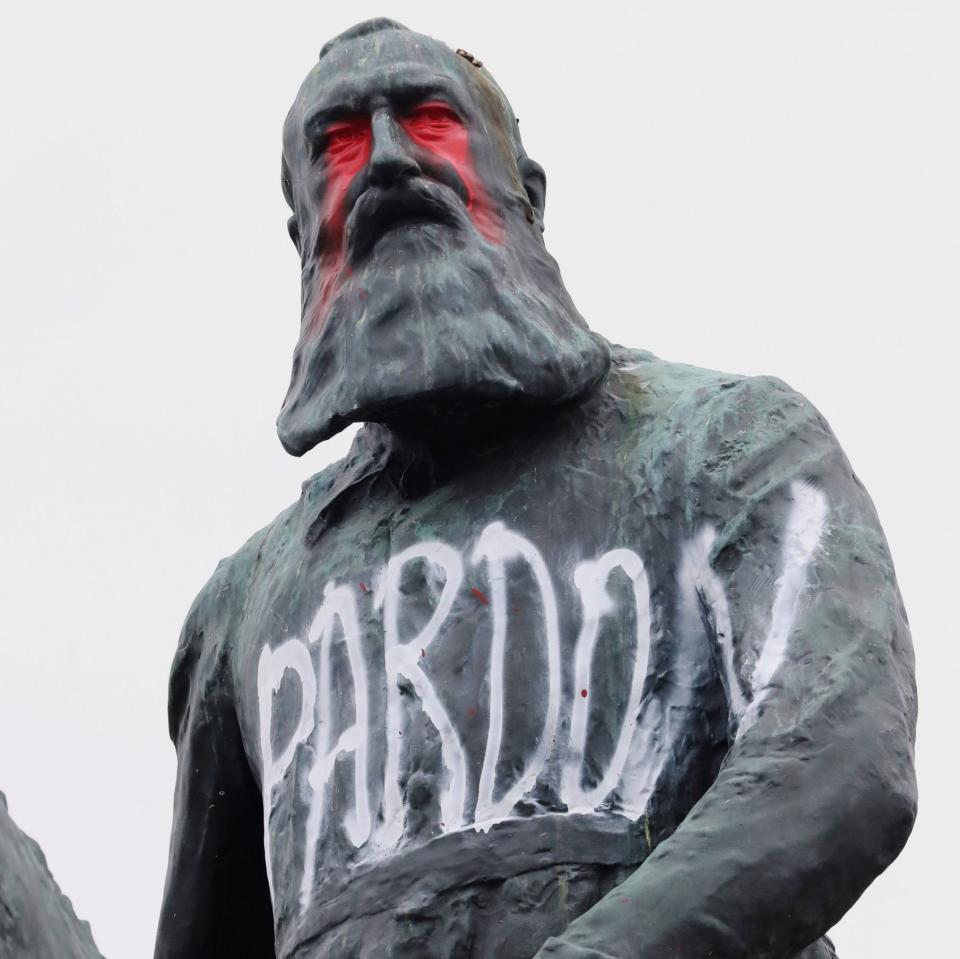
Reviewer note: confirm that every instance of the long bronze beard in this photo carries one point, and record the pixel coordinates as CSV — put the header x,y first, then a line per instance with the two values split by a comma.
x,y
436,313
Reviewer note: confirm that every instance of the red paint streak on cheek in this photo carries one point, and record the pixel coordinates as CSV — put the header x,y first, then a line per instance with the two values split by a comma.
x,y
347,146
434,126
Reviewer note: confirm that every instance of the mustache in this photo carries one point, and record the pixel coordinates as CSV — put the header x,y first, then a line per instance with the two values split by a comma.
x,y
417,200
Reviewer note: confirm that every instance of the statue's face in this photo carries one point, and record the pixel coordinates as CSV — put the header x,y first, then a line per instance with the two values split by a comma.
x,y
425,278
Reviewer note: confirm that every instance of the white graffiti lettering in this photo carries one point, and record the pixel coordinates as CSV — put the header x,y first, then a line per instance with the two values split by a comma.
x,y
338,604
639,751
498,546
591,580
293,656
805,525
402,660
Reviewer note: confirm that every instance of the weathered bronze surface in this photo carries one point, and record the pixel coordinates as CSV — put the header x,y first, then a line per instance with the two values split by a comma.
x,y
579,653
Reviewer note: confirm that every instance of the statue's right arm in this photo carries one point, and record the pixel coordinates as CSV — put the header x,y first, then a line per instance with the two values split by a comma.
x,y
216,901
816,794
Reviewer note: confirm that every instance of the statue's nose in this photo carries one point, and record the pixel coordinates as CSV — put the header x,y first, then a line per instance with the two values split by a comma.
x,y
390,158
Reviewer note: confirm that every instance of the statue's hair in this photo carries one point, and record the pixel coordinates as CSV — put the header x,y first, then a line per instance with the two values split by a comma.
x,y
376,25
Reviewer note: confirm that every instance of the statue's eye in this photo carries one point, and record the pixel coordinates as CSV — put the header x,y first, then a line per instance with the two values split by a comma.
x,y
347,139
431,120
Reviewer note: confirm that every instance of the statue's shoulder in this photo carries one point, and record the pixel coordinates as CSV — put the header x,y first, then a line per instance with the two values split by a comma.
x,y
707,422
691,400
221,599
209,628
695,386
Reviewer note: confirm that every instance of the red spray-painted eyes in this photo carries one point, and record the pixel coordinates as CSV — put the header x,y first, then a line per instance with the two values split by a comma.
x,y
432,123
435,127
347,145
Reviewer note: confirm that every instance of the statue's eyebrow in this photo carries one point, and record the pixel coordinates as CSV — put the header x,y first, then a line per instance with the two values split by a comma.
x,y
316,120
408,93
401,91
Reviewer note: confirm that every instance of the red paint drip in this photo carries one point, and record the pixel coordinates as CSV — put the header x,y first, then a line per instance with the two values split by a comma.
x,y
583,693
477,594
364,588
347,148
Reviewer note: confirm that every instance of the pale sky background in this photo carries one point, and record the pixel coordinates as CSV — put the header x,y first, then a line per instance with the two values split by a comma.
x,y
758,187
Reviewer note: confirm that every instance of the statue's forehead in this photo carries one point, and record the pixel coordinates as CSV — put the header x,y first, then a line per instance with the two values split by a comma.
x,y
380,62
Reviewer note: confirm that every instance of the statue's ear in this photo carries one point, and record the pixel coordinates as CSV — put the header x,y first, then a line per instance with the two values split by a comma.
x,y
535,183
293,228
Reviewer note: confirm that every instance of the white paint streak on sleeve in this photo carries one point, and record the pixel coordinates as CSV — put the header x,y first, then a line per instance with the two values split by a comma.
x,y
805,526
700,584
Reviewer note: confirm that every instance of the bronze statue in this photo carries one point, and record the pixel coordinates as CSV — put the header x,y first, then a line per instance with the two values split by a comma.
x,y
36,918
579,653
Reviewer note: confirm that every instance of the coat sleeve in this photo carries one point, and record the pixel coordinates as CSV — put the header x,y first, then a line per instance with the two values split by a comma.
x,y
816,794
216,900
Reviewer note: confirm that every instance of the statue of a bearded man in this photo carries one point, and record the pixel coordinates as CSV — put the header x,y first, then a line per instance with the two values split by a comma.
x,y
578,653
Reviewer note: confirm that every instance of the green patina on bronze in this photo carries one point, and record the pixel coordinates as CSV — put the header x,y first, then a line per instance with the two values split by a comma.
x,y
766,775
36,919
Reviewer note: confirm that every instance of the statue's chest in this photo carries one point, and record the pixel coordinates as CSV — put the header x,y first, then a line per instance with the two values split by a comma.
x,y
455,665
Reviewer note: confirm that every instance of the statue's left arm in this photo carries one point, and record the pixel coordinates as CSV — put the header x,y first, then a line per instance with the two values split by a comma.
x,y
816,794
216,901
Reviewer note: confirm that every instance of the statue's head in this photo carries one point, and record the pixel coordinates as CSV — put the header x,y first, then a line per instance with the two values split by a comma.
x,y
426,286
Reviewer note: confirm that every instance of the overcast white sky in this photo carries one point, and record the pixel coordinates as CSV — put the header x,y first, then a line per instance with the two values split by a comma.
x,y
750,186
